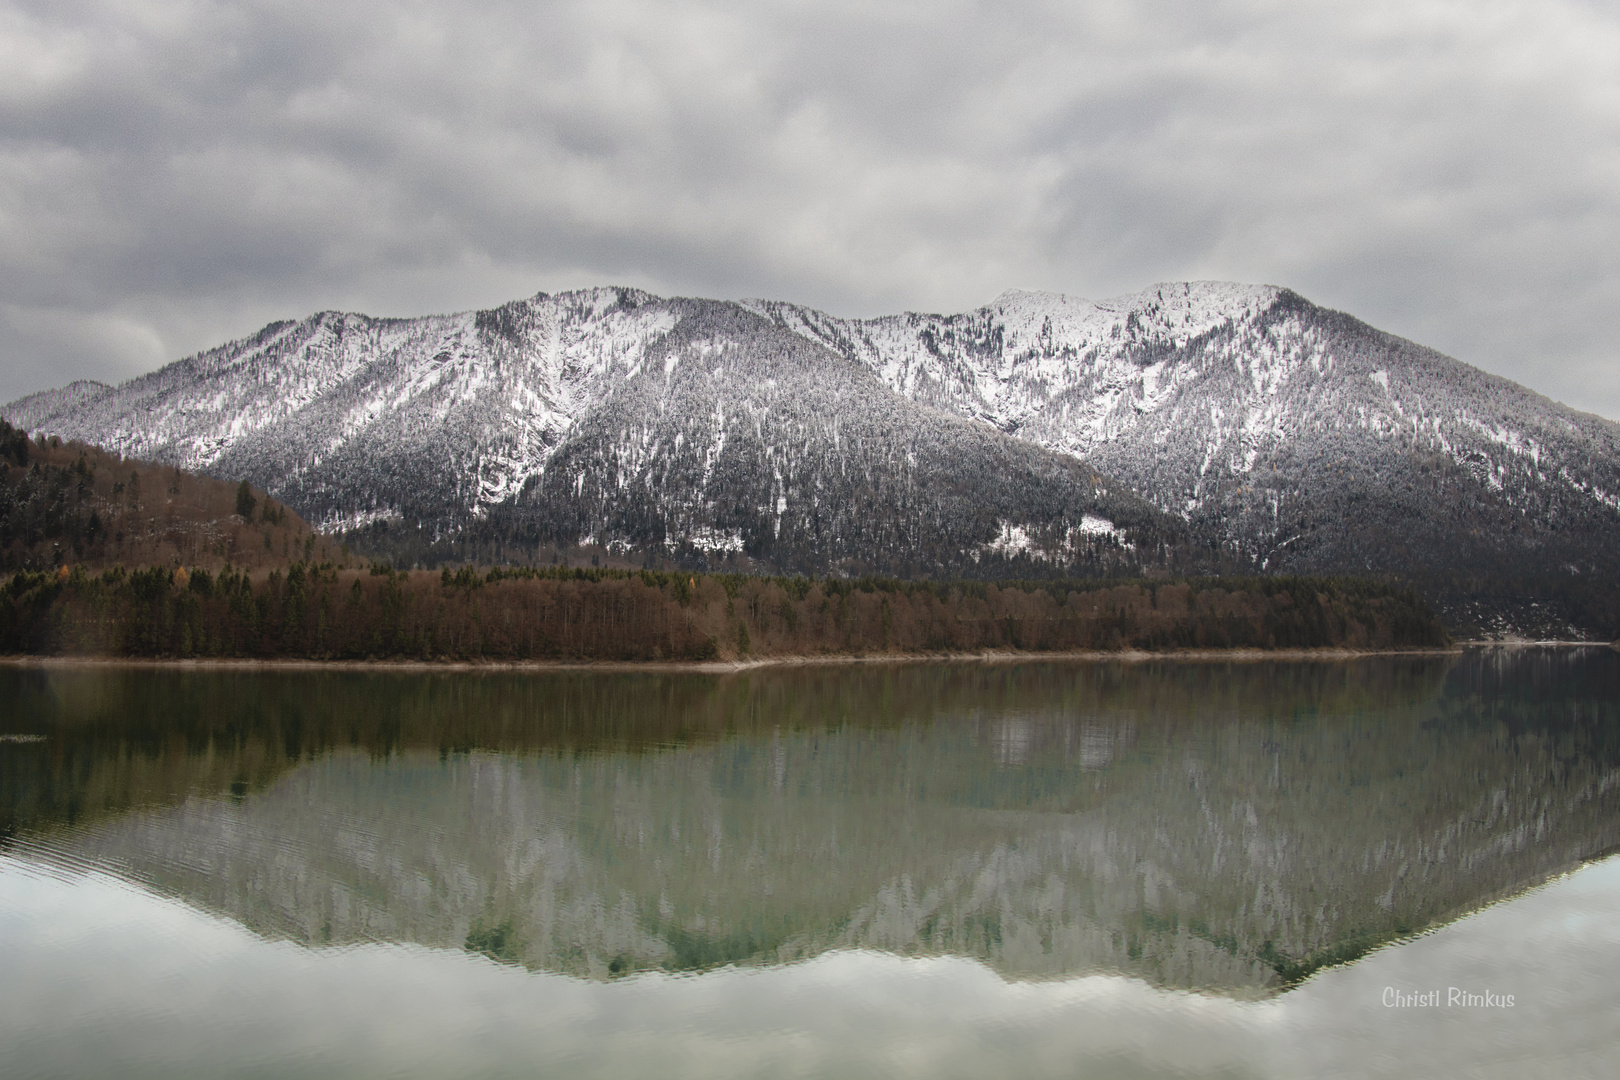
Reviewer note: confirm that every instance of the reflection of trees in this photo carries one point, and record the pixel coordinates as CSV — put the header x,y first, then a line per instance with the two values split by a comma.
x,y
1201,825
124,737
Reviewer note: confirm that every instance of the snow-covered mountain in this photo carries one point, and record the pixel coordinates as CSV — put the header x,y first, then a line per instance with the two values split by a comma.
x,y
1256,424
359,418
1308,439
734,435
610,417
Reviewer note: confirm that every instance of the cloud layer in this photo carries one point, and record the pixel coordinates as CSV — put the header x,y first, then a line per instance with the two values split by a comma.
x,y
177,172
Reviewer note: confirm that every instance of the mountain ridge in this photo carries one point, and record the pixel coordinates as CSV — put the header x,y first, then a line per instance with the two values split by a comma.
x,y
1226,426
1315,394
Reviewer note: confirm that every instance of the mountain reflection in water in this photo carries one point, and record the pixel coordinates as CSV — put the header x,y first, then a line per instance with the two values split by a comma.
x,y
1215,826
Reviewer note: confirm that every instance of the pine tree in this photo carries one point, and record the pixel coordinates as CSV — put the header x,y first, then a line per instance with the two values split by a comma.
x,y
245,502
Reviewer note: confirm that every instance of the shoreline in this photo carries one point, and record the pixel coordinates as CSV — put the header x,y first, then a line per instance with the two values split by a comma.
x,y
718,667
1528,644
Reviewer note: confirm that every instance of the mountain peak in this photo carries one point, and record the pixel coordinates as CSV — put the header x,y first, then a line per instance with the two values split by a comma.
x,y
1175,311
1035,298
1196,301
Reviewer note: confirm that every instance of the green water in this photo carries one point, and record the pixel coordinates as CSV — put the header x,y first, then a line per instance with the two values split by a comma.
x,y
925,869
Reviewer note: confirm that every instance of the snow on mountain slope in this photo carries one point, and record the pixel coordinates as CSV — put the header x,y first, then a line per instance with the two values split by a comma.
x,y
1301,436
621,420
736,435
53,402
351,418
1000,363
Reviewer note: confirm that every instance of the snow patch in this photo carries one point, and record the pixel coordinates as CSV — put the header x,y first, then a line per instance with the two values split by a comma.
x,y
1092,525
710,540
1014,540
359,519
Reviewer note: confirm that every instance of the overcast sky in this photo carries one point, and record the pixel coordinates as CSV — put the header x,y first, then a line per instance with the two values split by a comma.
x,y
175,173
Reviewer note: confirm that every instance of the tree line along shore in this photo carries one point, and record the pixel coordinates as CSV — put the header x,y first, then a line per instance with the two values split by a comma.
x,y
115,557
325,612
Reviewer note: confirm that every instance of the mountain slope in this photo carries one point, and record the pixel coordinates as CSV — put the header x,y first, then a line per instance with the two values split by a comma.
x,y
351,418
1264,418
1299,436
737,436
1262,431
611,417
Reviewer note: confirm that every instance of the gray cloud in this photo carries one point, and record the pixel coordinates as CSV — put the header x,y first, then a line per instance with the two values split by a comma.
x,y
177,172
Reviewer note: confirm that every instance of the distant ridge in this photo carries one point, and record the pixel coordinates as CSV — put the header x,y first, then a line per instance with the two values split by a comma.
x,y
51,402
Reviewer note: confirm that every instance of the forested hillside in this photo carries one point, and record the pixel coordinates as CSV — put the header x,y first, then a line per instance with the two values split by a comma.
x,y
64,504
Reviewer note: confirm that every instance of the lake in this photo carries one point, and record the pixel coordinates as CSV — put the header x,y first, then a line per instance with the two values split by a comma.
x,y
1388,866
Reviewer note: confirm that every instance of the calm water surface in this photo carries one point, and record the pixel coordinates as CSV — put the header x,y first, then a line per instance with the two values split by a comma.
x,y
1167,869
